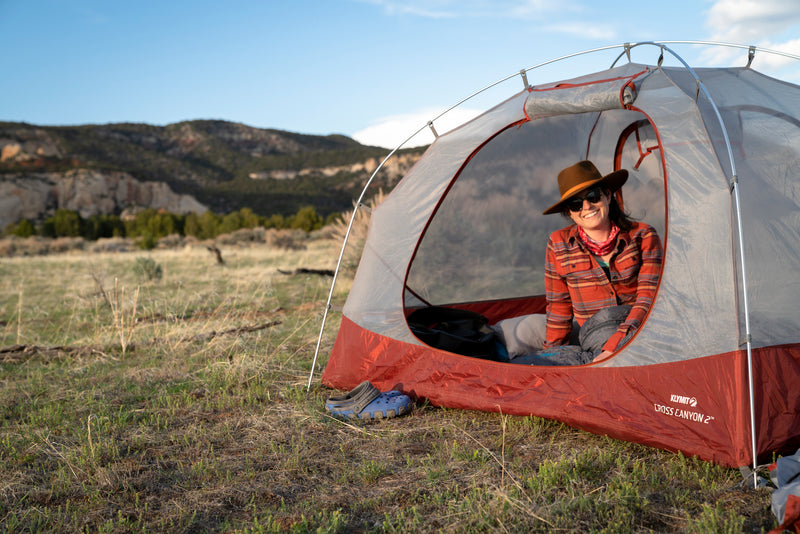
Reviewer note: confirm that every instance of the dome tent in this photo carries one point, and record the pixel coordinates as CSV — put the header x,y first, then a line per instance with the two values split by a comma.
x,y
714,162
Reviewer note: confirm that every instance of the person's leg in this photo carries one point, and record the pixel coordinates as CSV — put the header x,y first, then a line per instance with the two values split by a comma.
x,y
523,334
599,327
527,333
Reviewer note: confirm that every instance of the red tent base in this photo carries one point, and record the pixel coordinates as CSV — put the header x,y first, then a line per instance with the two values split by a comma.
x,y
686,406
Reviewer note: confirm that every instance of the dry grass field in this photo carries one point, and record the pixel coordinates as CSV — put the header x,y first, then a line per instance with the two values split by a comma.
x,y
165,392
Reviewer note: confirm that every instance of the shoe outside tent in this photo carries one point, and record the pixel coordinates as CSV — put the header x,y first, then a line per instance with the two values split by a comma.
x,y
714,162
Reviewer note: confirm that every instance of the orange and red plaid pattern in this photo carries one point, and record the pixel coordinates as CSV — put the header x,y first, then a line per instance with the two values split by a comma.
x,y
576,284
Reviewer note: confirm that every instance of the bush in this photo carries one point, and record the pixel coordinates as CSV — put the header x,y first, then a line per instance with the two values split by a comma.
x,y
147,242
147,269
31,246
149,226
306,219
205,226
23,228
171,241
69,223
65,223
242,219
112,244
286,239
103,226
275,221
243,236
65,244
153,224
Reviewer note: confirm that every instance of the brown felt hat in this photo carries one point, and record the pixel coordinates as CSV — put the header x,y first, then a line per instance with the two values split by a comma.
x,y
581,176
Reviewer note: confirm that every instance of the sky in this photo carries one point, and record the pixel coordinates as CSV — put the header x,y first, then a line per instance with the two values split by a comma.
x,y
374,70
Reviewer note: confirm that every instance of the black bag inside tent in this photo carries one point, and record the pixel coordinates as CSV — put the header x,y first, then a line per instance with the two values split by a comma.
x,y
454,330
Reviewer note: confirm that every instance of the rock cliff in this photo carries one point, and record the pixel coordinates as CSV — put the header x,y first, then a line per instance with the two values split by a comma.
x,y
36,196
189,166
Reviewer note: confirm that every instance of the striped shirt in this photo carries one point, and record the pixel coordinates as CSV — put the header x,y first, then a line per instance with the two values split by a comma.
x,y
576,284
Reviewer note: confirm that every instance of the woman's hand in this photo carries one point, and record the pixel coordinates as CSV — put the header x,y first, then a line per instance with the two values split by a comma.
x,y
606,354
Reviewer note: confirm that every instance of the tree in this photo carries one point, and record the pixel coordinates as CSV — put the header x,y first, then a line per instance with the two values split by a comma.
x,y
154,224
307,219
98,226
249,219
203,226
65,223
275,221
230,223
23,228
192,225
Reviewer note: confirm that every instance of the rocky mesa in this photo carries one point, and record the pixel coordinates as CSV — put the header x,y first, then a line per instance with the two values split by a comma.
x,y
184,167
37,195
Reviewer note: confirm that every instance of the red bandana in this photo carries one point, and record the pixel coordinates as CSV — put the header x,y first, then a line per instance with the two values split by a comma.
x,y
602,248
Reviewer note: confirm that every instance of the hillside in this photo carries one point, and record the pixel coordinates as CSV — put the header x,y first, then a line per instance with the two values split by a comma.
x,y
220,165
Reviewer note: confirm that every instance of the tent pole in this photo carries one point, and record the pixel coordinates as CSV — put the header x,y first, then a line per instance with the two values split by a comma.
x,y
627,47
748,337
344,246
735,191
743,265
734,187
751,49
338,266
429,124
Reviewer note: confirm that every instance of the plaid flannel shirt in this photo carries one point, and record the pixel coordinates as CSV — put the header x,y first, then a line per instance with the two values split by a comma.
x,y
576,285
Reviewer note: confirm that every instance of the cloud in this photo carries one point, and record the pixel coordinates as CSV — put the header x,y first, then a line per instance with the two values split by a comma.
x,y
751,20
773,61
390,131
770,24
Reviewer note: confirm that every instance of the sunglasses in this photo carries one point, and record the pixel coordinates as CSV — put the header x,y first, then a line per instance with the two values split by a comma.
x,y
593,196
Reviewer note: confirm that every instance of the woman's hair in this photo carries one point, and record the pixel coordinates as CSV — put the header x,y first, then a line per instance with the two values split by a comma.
x,y
618,215
615,212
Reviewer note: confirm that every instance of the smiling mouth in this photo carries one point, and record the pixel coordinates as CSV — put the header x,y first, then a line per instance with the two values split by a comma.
x,y
591,214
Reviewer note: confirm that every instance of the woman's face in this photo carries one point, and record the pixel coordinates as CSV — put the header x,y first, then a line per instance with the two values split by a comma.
x,y
592,215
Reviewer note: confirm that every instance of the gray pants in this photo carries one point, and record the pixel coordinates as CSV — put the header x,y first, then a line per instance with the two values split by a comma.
x,y
524,337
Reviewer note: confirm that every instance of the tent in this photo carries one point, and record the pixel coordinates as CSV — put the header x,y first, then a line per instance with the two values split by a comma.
x,y
714,161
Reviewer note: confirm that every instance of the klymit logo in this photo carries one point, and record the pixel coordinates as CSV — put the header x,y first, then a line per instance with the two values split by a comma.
x,y
680,399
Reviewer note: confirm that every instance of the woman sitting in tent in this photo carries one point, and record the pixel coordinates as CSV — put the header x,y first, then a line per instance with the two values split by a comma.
x,y
601,272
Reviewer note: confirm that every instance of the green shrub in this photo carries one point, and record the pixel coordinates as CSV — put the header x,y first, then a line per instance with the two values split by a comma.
x,y
147,242
205,226
154,223
306,219
23,228
65,223
147,269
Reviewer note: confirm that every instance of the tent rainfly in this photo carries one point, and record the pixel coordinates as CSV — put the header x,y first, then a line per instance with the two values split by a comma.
x,y
714,162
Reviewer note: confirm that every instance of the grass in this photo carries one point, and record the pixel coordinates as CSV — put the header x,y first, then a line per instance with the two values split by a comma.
x,y
177,402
